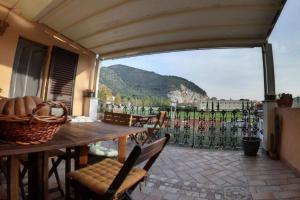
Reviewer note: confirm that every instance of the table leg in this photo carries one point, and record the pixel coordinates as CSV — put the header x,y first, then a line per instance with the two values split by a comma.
x,y
67,170
13,178
122,149
81,160
81,156
38,176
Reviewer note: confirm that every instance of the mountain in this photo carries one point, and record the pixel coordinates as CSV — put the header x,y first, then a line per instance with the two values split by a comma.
x,y
129,81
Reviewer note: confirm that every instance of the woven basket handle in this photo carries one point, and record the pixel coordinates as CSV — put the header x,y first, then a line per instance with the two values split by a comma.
x,y
52,104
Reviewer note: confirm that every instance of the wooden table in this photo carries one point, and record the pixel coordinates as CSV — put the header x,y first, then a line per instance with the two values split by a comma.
x,y
73,135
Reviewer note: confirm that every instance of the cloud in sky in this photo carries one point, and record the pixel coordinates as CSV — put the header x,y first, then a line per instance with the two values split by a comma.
x,y
234,73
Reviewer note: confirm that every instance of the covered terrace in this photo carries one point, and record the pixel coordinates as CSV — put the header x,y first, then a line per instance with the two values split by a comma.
x,y
98,30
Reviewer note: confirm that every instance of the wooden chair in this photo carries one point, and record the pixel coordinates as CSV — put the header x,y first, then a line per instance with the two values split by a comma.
x,y
117,118
110,179
97,151
152,133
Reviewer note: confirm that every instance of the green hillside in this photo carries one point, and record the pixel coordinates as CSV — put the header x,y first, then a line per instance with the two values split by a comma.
x,y
132,82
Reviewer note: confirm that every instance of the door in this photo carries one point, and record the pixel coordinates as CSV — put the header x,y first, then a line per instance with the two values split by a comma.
x,y
28,66
62,76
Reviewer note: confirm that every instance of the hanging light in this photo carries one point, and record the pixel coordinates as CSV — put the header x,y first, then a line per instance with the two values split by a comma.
x,y
3,26
3,22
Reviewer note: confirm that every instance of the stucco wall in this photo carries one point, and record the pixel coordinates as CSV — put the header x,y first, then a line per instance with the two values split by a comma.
x,y
19,27
290,136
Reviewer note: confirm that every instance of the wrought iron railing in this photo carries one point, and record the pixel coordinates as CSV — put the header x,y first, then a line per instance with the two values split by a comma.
x,y
141,110
203,128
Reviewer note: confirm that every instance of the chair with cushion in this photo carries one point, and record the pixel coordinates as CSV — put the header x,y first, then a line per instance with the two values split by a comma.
x,y
152,132
110,179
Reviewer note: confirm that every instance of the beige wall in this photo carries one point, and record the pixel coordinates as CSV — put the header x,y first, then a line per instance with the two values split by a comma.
x,y
290,136
19,27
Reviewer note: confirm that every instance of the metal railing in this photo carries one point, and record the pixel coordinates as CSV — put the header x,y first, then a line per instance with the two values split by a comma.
x,y
204,128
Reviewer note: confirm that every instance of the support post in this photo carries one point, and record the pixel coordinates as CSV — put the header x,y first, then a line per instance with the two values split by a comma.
x,y
13,178
91,103
269,103
38,176
269,75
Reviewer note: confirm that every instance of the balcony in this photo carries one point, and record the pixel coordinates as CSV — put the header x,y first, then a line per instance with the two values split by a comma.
x,y
204,160
192,173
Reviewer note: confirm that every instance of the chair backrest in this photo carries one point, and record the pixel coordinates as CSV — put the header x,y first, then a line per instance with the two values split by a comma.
x,y
161,118
117,118
138,155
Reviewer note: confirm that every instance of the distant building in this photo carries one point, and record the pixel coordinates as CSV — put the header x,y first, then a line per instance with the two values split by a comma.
x,y
225,104
296,102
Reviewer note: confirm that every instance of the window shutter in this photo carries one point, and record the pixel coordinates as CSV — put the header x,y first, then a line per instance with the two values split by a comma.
x,y
62,76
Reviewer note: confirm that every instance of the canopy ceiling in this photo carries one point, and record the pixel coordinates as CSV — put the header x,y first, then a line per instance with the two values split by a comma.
x,y
117,28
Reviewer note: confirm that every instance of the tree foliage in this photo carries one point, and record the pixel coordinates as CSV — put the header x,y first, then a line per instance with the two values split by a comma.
x,y
104,93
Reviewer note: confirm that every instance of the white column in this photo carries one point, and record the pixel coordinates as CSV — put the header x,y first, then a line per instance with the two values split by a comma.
x,y
91,103
269,103
97,74
269,76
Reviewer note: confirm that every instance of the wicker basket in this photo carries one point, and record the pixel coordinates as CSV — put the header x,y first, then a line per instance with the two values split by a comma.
x,y
32,129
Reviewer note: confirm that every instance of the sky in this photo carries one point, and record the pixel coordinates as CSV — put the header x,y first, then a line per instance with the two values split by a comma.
x,y
234,73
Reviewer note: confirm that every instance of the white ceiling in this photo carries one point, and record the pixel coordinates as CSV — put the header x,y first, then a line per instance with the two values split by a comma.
x,y
116,28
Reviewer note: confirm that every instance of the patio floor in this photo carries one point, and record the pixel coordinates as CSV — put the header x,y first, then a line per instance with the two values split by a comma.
x,y
186,173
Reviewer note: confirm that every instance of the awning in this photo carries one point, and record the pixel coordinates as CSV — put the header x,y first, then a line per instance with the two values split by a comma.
x,y
117,28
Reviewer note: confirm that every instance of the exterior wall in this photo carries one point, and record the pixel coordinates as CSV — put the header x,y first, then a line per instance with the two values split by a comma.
x,y
290,136
19,27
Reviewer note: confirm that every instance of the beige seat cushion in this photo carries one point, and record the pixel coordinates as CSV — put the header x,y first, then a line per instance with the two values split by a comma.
x,y
98,177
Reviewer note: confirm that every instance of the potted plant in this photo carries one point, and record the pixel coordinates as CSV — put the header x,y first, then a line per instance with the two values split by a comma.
x,y
285,100
251,142
89,93
251,145
1,90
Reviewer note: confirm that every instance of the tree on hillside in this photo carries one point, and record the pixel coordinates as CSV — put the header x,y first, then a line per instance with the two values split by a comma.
x,y
118,99
104,93
146,101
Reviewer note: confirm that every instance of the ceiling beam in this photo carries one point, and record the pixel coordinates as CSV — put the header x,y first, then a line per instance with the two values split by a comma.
x,y
166,14
52,10
178,30
276,17
183,45
94,14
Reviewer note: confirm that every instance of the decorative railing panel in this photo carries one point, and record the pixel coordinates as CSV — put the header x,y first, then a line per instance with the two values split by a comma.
x,y
204,128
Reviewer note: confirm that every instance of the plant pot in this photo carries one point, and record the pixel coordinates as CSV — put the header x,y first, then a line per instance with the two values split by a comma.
x,y
89,94
251,145
285,102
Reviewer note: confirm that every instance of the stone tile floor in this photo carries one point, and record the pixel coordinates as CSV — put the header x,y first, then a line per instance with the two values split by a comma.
x,y
186,173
